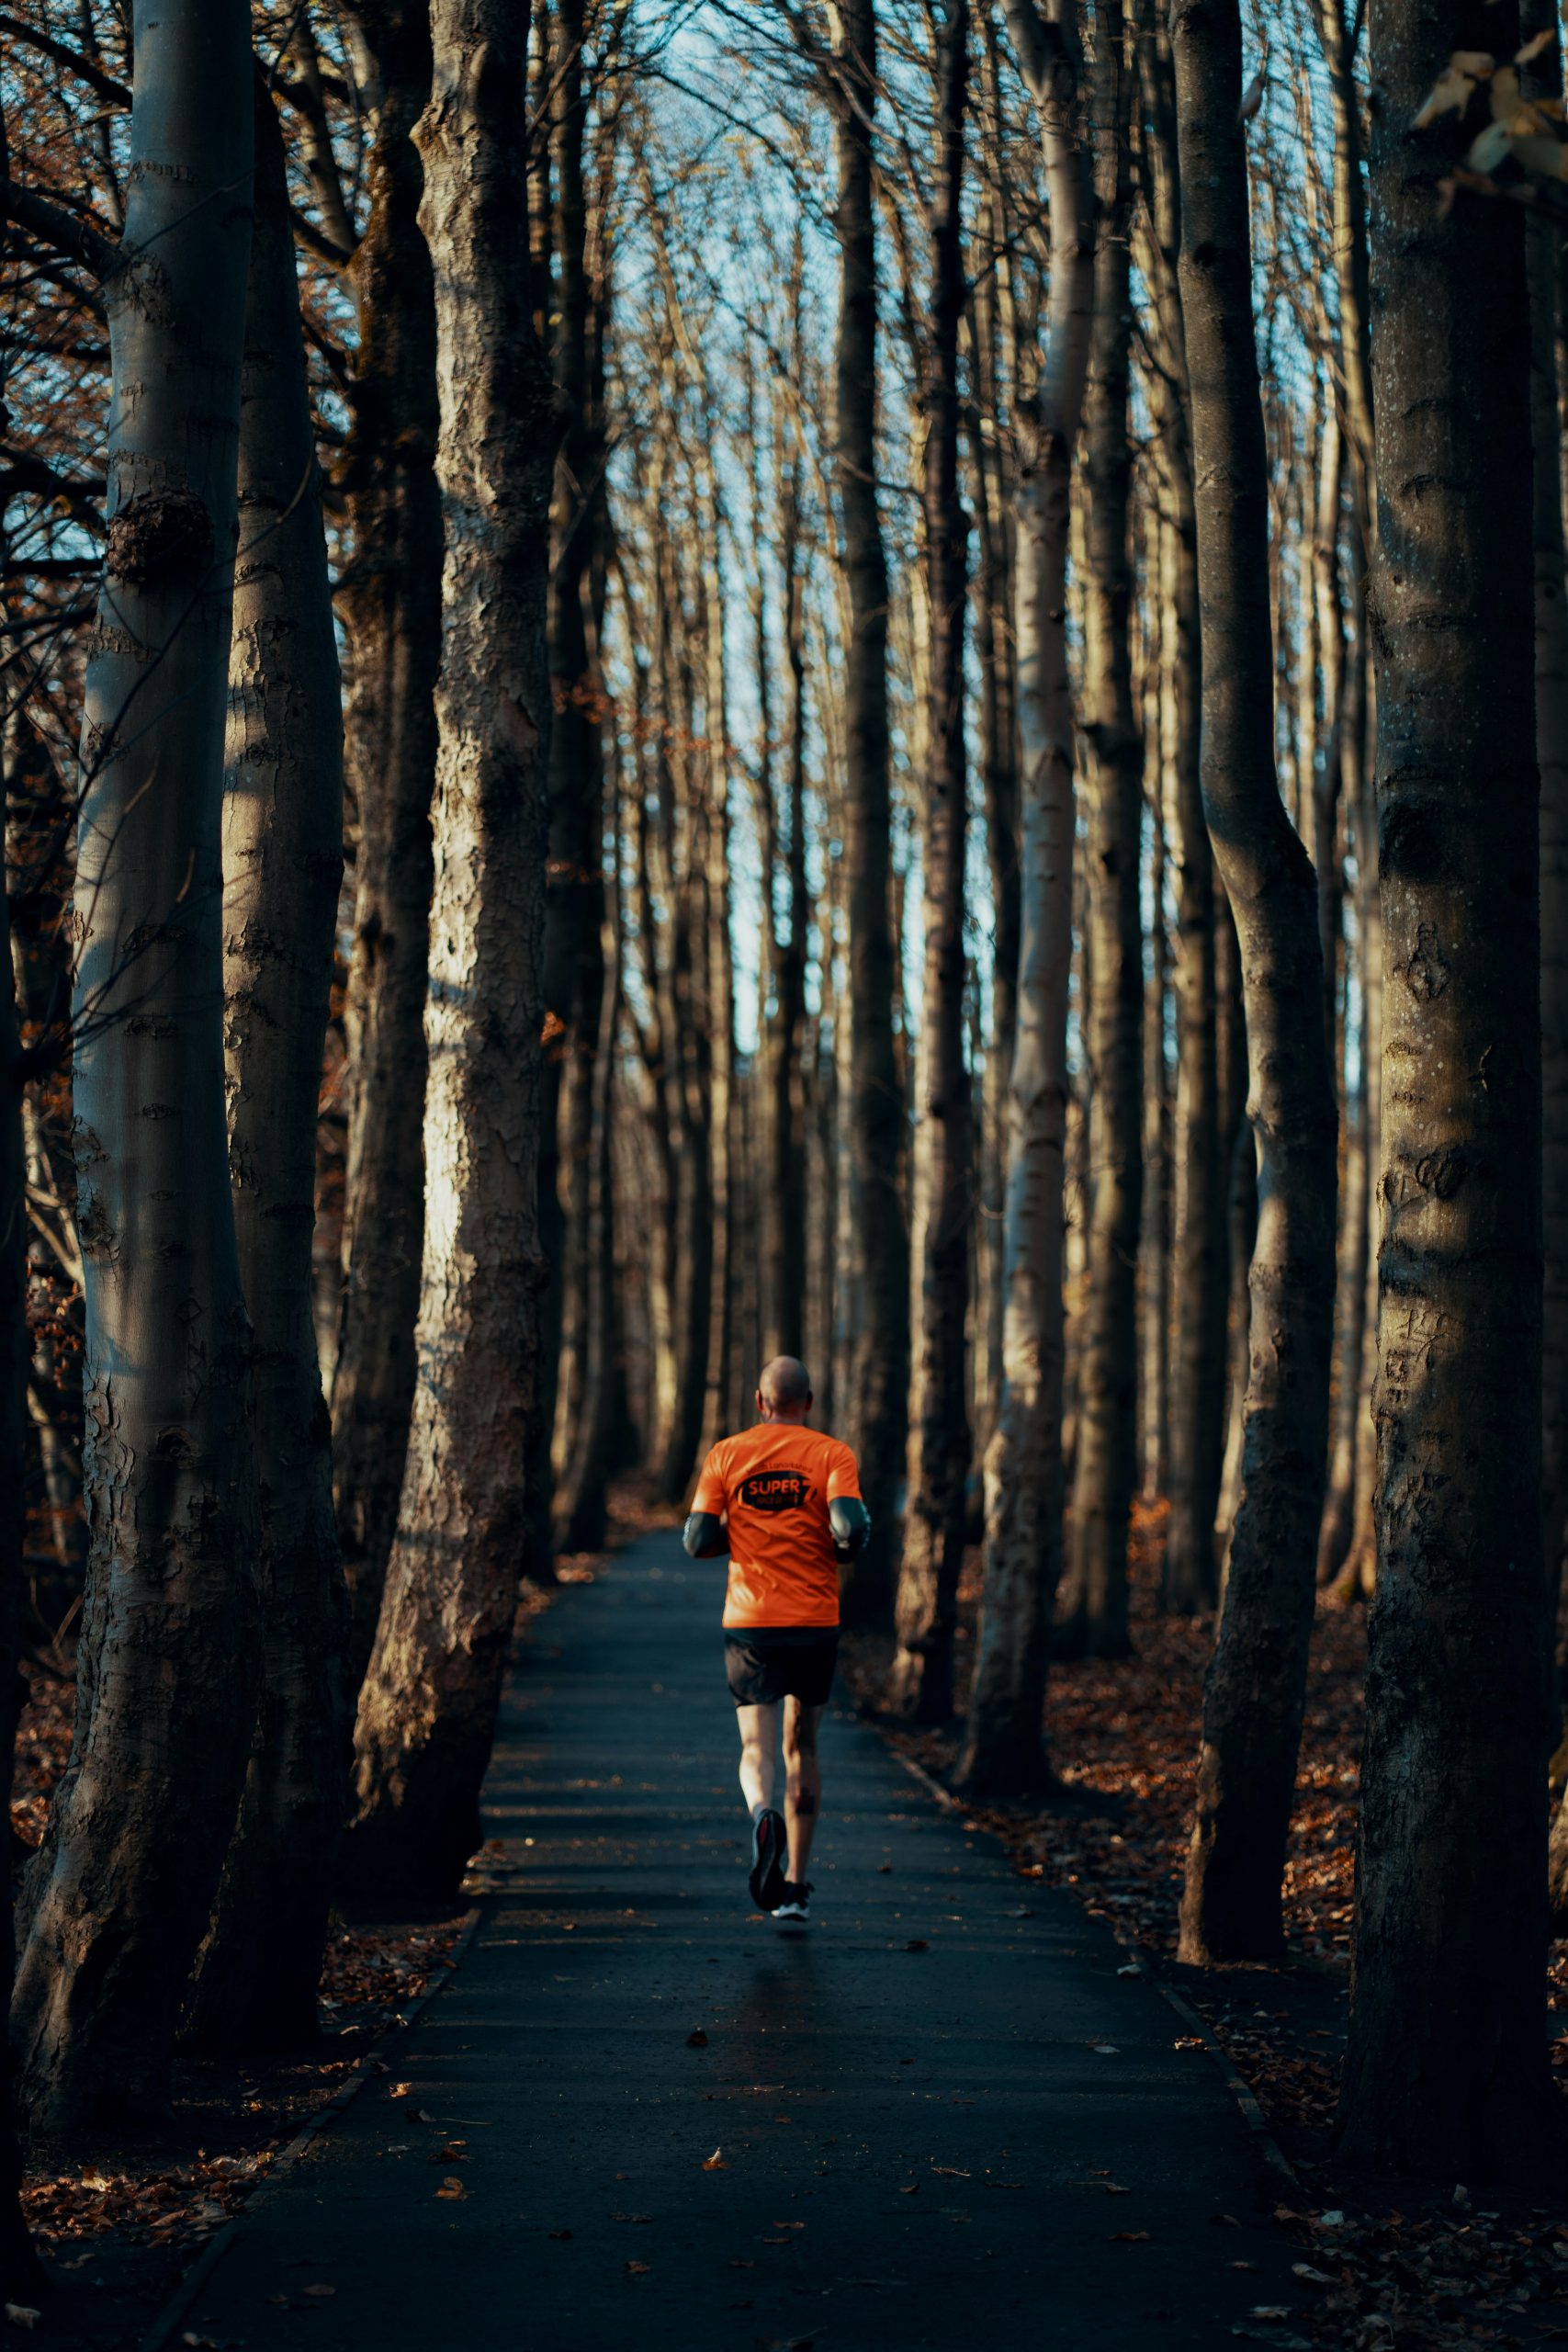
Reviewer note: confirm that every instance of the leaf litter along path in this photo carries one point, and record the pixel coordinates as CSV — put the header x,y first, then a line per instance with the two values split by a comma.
x,y
944,2113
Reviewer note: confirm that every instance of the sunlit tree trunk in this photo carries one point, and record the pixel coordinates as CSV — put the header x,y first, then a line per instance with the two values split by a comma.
x,y
282,864
390,600
1255,1691
1091,1617
1003,1749
427,1710
1446,2069
921,1682
120,1892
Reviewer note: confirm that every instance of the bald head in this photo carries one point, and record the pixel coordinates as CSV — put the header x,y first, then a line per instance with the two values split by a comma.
x,y
783,1391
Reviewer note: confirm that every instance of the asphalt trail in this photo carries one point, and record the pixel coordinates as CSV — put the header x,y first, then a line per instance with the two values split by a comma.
x,y
942,2119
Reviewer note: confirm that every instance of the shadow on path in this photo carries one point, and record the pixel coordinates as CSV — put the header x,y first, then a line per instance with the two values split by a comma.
x,y
943,2118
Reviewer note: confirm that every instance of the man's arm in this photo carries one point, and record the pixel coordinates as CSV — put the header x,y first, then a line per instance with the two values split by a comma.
x,y
851,1523
705,1537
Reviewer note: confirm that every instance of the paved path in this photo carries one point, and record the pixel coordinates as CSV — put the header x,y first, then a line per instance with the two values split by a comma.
x,y
918,2111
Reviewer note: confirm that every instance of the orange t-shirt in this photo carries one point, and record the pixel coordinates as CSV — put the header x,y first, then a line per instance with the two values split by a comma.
x,y
775,1482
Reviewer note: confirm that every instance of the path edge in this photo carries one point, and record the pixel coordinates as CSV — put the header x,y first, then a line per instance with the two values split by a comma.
x,y
192,2281
1268,2148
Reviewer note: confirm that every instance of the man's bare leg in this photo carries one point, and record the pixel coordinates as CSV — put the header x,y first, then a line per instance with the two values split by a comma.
x,y
803,1783
759,1752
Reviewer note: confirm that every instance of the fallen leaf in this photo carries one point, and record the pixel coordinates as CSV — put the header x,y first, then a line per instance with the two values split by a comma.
x,y
742,2261
398,2090
637,2269
912,2190
1127,2237
319,2289
789,2226
1187,2041
1226,2221
1305,2270
1269,2311
883,1869
1106,2049
697,2041
715,2163
950,2172
1114,2188
1131,1969
451,2188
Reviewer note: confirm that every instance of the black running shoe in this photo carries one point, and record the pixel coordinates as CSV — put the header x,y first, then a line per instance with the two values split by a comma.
x,y
794,1908
768,1849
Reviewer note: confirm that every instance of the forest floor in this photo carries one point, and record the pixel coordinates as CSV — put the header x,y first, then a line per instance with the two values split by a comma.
x,y
1450,2270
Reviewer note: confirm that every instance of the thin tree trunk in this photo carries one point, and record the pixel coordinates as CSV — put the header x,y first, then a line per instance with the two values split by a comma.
x,y
873,1114
574,970
1446,2069
121,1891
1003,1749
1256,1687
390,598
283,863
920,1684
427,1710
1092,1618
1189,1581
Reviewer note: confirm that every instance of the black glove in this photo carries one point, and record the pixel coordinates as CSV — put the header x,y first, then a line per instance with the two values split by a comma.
x,y
851,1523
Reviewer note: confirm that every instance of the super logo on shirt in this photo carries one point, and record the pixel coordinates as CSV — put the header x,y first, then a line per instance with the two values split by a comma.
x,y
775,1491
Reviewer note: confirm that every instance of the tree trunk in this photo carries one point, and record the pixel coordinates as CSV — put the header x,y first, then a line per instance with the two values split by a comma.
x,y
1091,1619
1189,1582
283,863
121,1891
1257,1683
574,894
1003,1749
1446,2069
390,599
427,1711
920,1685
874,1111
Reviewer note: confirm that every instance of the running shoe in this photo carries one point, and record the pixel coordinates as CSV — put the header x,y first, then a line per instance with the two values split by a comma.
x,y
768,1849
794,1909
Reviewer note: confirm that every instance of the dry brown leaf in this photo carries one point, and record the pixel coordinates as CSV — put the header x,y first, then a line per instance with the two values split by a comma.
x,y
1452,92
697,2039
715,2162
321,2287
451,2189
398,2090
1127,2237
637,2269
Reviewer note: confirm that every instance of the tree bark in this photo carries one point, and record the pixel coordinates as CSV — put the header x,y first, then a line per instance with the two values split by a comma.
x,y
1446,2069
1189,1582
283,863
390,600
427,1711
121,1891
1003,1749
1256,1686
1091,1617
920,1684
574,894
875,1112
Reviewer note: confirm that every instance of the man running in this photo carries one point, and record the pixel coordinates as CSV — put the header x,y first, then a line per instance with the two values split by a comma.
x,y
784,1501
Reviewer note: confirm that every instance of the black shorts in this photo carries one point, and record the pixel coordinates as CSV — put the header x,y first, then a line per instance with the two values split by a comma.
x,y
767,1663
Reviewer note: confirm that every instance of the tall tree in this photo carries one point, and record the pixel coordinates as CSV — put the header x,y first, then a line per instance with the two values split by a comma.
x,y
875,1112
1092,1615
574,896
1003,1749
921,1679
282,863
1257,1683
427,1710
1199,1256
389,594
121,1891
1446,2069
